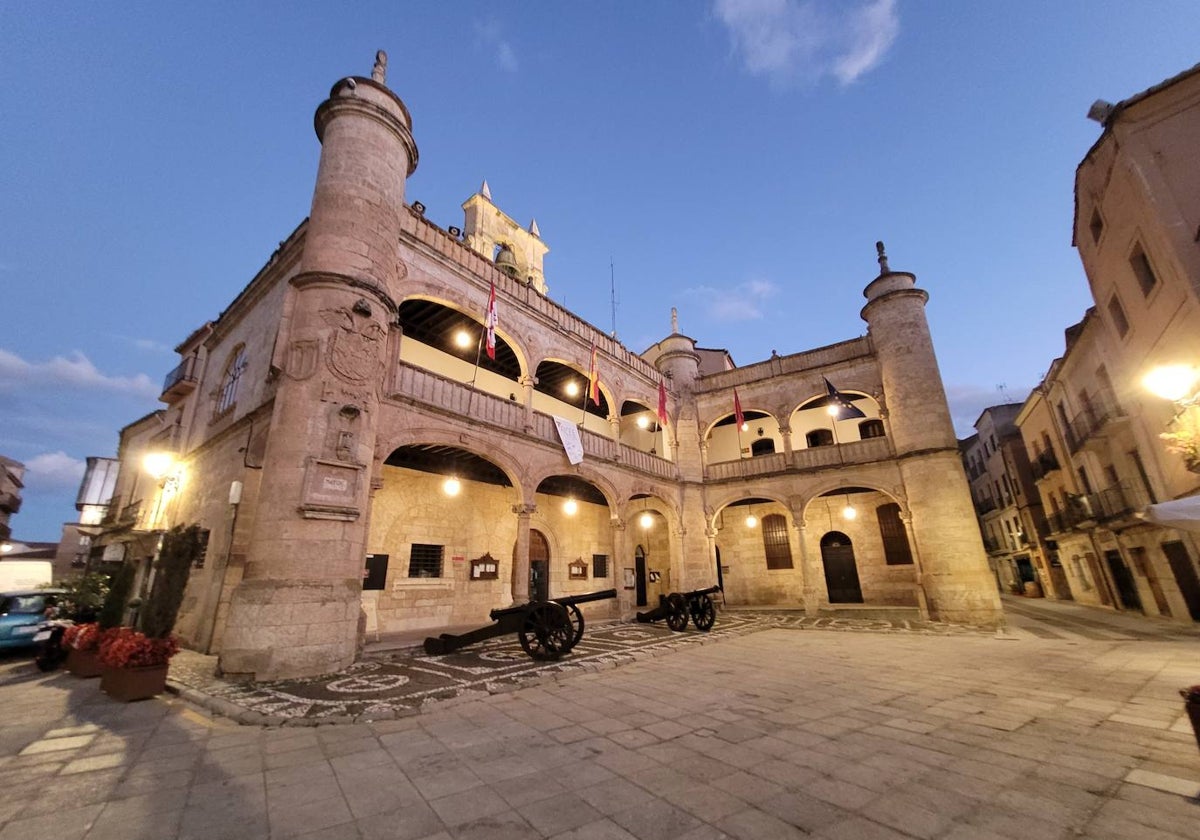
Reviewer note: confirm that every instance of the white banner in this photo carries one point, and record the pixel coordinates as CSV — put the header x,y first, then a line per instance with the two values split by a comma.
x,y
568,432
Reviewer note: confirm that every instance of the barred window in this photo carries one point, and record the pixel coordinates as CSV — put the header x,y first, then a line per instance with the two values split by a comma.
x,y
227,396
870,429
775,541
895,541
599,565
425,561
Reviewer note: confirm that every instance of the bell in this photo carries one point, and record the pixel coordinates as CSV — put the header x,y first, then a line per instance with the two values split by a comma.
x,y
506,261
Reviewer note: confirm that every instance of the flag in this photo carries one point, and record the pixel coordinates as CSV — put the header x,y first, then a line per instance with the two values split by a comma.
x,y
844,409
489,321
738,417
594,379
662,403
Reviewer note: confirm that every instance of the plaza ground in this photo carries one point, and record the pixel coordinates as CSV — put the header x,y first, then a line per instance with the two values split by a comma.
x,y
1068,724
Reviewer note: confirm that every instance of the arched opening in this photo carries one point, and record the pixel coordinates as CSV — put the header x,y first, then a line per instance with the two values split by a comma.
x,y
575,520
819,437
762,446
757,564
872,428
639,572
539,566
564,390
826,421
641,429
450,343
841,573
728,442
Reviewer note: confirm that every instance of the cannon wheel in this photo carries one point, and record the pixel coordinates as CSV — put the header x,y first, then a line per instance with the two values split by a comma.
x,y
677,611
704,614
576,619
546,631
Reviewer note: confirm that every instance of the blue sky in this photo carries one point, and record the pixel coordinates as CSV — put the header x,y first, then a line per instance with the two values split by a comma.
x,y
737,159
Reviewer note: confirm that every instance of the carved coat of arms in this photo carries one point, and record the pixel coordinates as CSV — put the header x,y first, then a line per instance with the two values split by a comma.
x,y
355,346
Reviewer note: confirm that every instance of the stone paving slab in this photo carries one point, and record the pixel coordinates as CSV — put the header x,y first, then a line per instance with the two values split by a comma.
x,y
395,684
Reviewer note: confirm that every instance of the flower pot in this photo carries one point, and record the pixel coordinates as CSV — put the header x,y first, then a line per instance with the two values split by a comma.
x,y
83,663
129,684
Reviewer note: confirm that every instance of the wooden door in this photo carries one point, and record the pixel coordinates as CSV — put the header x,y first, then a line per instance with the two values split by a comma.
x,y
539,566
841,573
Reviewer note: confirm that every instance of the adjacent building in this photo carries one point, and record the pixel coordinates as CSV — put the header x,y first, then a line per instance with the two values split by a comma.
x,y
1104,445
393,427
12,474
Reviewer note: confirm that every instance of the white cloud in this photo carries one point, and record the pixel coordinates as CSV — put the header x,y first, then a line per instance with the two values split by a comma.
x,y
75,370
53,471
743,302
791,41
489,33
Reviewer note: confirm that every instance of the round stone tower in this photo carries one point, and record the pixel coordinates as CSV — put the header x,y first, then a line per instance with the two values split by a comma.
x,y
952,565
296,611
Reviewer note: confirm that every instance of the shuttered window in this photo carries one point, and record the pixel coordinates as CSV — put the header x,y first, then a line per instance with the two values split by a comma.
x,y
895,540
775,541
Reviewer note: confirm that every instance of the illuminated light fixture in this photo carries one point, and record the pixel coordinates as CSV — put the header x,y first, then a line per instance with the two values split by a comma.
x,y
833,410
643,421
848,512
570,507
158,464
451,486
572,389
462,338
646,520
745,426
1172,382
751,521
5,548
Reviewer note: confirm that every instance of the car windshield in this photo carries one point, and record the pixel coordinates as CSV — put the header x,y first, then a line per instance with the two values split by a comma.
x,y
23,604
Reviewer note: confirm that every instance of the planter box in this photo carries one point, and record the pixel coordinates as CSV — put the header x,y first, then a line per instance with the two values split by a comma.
x,y
129,684
1193,711
83,663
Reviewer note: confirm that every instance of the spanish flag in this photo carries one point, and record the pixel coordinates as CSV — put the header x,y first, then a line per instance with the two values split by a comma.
x,y
594,379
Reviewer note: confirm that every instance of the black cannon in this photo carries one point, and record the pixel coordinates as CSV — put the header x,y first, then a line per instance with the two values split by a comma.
x,y
547,629
677,606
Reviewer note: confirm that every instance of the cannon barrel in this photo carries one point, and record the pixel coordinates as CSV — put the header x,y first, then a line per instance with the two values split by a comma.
x,y
712,590
586,598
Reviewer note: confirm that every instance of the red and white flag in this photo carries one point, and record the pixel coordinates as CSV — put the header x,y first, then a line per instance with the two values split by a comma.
x,y
594,379
738,417
489,321
662,403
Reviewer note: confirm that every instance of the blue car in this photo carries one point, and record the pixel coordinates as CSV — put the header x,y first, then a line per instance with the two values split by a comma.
x,y
21,613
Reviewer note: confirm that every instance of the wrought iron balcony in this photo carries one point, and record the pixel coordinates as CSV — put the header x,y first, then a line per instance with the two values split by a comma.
x,y
1089,423
1045,463
179,382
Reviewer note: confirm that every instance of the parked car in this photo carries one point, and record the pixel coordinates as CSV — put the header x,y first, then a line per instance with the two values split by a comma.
x,y
20,614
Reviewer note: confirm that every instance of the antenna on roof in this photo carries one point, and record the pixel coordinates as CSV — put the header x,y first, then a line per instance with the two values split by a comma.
x,y
1003,389
612,292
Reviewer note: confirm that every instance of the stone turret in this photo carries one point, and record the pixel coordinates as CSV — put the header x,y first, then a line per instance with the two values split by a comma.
x,y
296,611
487,228
952,566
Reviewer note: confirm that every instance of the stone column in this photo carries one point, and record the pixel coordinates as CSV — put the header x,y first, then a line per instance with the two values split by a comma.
x,y
295,613
621,551
520,573
527,382
918,573
785,432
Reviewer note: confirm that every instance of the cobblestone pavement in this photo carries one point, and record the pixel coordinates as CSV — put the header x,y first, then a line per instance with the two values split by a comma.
x,y
1068,725
389,685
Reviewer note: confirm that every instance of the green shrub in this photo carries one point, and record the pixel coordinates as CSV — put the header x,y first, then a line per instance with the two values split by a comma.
x,y
181,548
113,611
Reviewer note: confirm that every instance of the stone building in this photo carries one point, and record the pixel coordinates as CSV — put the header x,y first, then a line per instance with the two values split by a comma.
x,y
1093,428
1011,518
355,443
11,483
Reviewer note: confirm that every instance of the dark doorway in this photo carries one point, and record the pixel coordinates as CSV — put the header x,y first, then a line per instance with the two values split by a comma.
x,y
720,576
375,573
1025,569
762,446
639,566
841,574
539,566
1185,576
1123,578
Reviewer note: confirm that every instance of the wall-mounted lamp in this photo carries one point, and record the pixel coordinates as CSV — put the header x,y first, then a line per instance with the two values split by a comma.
x,y
158,464
1173,382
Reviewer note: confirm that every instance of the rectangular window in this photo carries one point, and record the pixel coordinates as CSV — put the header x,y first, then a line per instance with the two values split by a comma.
x,y
1142,269
895,542
1117,313
775,541
599,565
425,561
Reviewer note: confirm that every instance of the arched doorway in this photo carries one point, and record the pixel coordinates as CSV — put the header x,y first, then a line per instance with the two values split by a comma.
x,y
841,574
539,566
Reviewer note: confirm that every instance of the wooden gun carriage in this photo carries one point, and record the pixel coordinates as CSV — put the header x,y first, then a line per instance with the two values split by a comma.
x,y
546,629
677,606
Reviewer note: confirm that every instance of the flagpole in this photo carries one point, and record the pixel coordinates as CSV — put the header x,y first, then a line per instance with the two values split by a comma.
x,y
475,373
587,392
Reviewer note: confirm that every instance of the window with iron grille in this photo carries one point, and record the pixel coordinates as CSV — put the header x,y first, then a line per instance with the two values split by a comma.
x,y
599,565
775,541
895,541
425,561
227,396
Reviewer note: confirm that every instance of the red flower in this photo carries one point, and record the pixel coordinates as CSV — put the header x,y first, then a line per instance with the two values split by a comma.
x,y
124,647
84,637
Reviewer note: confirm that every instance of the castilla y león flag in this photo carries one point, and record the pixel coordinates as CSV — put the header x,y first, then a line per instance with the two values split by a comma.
x,y
489,321
662,403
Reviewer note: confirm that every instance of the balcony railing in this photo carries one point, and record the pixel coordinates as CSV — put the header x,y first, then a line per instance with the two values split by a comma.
x,y
1118,501
1044,464
985,506
1057,523
992,545
181,381
1087,424
816,457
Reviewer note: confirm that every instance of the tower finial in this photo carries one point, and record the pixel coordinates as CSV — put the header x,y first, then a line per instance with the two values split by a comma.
x,y
379,71
674,321
883,263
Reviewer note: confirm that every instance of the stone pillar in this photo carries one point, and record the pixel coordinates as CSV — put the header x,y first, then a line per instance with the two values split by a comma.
x,y
527,382
621,554
520,572
944,528
918,572
785,432
295,613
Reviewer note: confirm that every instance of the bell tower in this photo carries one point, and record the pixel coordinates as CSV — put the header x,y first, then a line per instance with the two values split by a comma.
x,y
492,233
